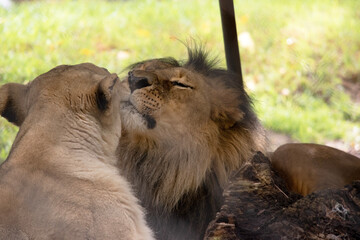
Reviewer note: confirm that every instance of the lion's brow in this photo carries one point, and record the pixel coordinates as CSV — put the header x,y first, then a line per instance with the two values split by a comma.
x,y
169,61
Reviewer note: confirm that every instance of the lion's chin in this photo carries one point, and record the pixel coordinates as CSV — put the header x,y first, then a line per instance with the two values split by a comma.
x,y
132,119
150,121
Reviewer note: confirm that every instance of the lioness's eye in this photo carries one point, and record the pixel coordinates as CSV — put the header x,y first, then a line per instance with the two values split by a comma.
x,y
181,85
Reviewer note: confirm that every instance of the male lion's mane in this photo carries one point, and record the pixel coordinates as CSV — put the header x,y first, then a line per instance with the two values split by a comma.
x,y
180,179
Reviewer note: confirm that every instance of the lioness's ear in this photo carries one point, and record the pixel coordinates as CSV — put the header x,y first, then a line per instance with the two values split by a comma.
x,y
104,92
12,102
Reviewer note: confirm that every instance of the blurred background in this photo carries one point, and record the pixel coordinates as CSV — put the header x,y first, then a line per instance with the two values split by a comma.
x,y
300,58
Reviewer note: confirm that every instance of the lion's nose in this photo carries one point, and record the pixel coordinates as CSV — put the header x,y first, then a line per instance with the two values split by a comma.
x,y
138,82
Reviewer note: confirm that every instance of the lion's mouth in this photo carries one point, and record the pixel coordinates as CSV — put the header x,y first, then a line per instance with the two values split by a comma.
x,y
130,108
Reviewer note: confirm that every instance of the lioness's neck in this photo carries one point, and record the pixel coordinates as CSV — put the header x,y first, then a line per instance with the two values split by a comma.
x,y
68,138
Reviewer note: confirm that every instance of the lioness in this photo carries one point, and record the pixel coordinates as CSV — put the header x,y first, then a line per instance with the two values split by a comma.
x,y
59,180
307,168
186,127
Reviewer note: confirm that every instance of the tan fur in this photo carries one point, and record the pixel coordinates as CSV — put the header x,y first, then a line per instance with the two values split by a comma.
x,y
59,181
184,132
307,168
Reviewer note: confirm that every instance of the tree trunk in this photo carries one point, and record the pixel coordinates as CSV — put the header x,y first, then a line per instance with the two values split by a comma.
x,y
258,206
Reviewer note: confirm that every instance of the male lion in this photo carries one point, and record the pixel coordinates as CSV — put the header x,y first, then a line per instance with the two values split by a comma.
x,y
59,181
186,127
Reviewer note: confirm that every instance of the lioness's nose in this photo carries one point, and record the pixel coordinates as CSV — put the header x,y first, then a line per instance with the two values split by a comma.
x,y
139,79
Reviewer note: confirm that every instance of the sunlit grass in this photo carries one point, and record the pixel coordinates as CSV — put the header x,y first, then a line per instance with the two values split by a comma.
x,y
301,49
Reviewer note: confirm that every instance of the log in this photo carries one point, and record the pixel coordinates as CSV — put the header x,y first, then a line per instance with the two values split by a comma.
x,y
258,206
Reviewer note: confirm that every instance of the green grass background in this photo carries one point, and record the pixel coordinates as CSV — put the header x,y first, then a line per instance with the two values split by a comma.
x,y
296,87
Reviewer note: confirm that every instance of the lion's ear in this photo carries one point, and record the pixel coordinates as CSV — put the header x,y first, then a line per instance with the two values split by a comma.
x,y
225,118
104,92
12,102
225,110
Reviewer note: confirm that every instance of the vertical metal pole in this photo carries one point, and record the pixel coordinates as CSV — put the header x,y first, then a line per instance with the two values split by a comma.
x,y
230,37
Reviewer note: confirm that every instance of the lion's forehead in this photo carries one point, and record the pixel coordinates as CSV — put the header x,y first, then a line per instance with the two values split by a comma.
x,y
156,64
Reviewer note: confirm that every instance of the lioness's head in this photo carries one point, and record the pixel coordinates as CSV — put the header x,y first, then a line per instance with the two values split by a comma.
x,y
73,102
183,123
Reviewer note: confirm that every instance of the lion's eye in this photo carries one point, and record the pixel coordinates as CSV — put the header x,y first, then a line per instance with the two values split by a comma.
x,y
181,85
